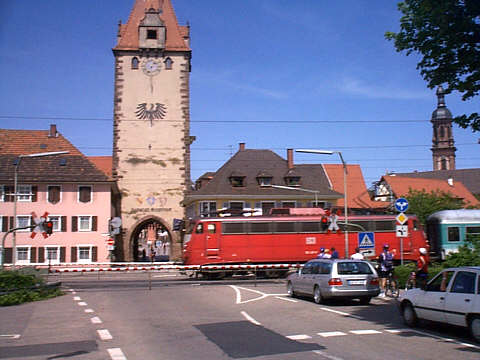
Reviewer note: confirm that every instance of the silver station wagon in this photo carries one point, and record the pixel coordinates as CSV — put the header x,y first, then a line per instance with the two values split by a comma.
x,y
326,279
452,297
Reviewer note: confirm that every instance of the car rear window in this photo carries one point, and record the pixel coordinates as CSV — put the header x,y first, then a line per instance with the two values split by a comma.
x,y
347,268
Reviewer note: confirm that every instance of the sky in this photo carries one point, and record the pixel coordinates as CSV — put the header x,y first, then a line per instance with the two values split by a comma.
x,y
273,74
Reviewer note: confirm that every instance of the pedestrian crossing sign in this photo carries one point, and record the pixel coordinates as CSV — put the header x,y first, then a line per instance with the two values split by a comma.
x,y
366,240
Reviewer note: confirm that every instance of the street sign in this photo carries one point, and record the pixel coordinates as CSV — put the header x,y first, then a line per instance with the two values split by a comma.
x,y
402,230
116,222
110,242
401,204
402,218
366,240
111,247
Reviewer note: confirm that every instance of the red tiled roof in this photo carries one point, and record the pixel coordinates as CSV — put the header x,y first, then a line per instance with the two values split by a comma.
x,y
357,194
103,163
175,34
400,185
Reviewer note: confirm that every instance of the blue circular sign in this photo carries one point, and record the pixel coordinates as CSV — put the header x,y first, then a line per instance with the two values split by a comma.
x,y
401,204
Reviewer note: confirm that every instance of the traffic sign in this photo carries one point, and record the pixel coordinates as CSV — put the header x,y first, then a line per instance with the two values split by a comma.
x,y
116,222
402,218
110,242
402,230
401,204
366,240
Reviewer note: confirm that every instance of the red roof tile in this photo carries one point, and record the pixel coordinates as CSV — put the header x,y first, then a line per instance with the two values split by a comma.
x,y
103,163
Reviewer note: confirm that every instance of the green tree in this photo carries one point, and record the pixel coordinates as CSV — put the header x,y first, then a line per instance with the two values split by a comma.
x,y
467,255
447,35
423,203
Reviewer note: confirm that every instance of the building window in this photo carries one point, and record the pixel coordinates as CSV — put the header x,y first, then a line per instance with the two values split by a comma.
x,y
236,207
168,63
85,194
22,221
237,181
264,181
52,254
135,63
152,34
84,254
84,223
267,206
208,208
56,221
53,195
24,193
320,204
288,204
2,192
23,254
292,180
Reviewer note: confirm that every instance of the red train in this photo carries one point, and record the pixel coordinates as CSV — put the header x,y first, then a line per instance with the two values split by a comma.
x,y
294,238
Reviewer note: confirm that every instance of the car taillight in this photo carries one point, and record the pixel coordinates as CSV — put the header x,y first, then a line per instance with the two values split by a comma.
x,y
335,282
374,281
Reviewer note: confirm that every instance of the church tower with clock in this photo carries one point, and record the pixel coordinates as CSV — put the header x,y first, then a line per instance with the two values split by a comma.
x,y
151,130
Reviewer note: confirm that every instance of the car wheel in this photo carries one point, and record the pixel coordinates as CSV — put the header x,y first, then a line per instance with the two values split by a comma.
x,y
409,315
317,295
474,326
365,300
290,290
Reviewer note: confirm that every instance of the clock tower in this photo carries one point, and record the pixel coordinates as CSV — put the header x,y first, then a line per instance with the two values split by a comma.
x,y
151,130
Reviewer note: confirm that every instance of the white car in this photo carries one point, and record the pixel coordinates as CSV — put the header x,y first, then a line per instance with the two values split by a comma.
x,y
452,297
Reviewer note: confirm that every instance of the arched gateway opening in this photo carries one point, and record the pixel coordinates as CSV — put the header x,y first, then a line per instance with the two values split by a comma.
x,y
151,241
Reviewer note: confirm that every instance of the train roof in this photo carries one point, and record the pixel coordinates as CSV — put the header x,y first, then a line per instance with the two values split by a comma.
x,y
461,215
298,218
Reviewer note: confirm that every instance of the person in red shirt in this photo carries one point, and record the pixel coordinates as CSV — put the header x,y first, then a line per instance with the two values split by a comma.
x,y
422,267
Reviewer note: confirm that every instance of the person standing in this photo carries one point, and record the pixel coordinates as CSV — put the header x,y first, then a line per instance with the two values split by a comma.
x,y
422,267
358,255
386,267
334,253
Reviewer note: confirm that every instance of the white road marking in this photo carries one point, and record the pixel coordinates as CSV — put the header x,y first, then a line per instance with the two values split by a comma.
x,y
299,337
11,336
96,320
104,334
286,299
82,303
323,353
341,313
77,298
262,295
445,339
249,318
365,332
89,310
331,333
116,354
396,331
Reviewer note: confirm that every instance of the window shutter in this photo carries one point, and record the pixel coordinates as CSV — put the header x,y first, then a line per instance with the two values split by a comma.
x,y
74,223
54,194
94,254
63,250
85,194
63,224
73,254
8,255
41,254
94,223
33,254
35,193
8,190
12,225
4,223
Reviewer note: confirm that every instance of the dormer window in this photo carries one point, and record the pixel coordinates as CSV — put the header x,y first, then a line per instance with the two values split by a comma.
x,y
264,178
292,180
152,34
237,181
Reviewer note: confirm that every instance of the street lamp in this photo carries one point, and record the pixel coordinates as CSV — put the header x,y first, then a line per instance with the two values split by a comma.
x,y
345,172
15,194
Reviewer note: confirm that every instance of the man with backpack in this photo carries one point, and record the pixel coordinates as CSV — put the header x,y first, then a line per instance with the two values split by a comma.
x,y
386,267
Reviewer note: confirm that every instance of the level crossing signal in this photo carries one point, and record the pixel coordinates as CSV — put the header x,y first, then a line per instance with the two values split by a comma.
x,y
48,227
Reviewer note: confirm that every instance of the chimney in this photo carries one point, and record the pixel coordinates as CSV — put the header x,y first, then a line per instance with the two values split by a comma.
x,y
450,181
241,147
290,158
53,131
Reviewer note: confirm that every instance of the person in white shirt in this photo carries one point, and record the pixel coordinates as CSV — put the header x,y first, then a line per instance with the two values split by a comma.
x,y
358,255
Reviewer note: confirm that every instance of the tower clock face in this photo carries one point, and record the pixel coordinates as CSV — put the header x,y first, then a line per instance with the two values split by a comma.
x,y
151,67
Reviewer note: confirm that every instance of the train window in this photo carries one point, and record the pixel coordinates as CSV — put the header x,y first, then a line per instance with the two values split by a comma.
x,y
260,227
385,225
233,228
453,233
360,225
211,228
285,227
309,227
199,229
473,232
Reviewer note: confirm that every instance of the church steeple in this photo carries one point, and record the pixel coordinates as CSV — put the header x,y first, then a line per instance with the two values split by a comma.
x,y
443,149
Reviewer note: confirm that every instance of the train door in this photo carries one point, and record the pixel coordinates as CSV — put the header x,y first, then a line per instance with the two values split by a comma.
x,y
212,240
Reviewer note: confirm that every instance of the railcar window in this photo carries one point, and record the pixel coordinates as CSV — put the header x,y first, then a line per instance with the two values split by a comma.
x,y
365,225
233,228
211,228
453,233
309,227
199,229
260,227
285,227
473,232
385,225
